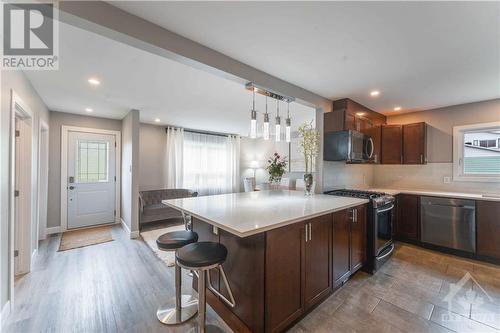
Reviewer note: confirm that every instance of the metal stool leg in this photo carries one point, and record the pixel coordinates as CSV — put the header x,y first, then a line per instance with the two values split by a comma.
x,y
179,309
201,326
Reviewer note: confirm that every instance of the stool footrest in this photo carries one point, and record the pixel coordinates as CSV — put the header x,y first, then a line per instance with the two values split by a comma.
x,y
231,302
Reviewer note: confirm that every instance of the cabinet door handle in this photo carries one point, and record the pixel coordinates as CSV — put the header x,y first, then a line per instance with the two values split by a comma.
x,y
310,231
307,233
421,159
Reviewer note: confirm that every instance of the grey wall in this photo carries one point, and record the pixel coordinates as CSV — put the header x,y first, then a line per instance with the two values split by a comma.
x,y
152,157
442,120
13,80
130,171
57,120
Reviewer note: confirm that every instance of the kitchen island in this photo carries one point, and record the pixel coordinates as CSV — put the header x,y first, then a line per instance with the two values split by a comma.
x,y
281,260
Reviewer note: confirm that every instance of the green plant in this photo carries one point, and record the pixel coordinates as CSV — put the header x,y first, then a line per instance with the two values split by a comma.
x,y
309,144
277,167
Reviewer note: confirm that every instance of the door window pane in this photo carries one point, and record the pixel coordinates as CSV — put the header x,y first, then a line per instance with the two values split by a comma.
x,y
91,161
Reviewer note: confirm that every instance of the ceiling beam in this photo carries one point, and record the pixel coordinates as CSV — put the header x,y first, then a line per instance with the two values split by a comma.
x,y
117,24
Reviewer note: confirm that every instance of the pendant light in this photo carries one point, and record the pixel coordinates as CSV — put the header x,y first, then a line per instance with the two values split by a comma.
x,y
288,129
278,122
265,132
253,119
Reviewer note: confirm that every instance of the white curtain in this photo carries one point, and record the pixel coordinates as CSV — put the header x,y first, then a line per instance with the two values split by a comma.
x,y
174,157
211,163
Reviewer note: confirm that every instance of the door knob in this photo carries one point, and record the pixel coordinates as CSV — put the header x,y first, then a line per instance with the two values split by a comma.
x,y
71,187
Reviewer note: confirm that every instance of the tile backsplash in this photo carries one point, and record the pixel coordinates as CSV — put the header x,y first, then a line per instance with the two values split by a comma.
x,y
429,177
342,175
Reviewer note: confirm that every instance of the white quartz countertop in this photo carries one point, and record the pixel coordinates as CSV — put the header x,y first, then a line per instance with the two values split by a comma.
x,y
460,195
250,213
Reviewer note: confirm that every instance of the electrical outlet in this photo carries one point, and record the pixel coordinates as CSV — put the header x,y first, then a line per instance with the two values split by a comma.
x,y
446,180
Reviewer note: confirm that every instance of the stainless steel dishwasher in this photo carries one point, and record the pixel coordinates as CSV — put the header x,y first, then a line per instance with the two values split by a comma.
x,y
448,222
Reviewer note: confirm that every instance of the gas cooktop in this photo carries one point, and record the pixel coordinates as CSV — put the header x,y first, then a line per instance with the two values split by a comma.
x,y
376,198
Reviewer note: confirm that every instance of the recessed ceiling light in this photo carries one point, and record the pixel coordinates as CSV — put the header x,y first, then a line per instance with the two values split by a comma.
x,y
375,93
94,81
360,114
157,120
89,110
397,108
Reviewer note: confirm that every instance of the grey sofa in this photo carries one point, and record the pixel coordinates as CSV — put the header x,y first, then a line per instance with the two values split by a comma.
x,y
151,208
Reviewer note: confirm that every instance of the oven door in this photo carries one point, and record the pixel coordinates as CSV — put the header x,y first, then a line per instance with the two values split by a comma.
x,y
383,221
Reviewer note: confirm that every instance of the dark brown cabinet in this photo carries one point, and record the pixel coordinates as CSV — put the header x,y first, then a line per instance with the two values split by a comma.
x,y
341,247
298,270
349,243
488,228
414,144
358,237
407,222
284,275
349,115
318,279
392,144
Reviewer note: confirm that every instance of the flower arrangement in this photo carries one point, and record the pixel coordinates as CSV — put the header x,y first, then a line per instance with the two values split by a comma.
x,y
276,168
309,144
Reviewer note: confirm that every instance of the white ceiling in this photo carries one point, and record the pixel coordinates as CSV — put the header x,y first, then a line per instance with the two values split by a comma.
x,y
420,55
134,79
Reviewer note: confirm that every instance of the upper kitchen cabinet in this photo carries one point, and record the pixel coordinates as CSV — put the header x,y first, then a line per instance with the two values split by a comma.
x,y
349,115
404,144
414,144
392,144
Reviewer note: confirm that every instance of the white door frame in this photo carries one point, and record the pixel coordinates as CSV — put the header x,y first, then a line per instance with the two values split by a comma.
x,y
19,109
43,129
64,169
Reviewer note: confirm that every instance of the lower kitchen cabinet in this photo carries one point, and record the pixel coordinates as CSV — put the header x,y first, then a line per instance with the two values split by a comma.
x,y
407,222
358,238
488,229
298,270
349,243
318,257
284,275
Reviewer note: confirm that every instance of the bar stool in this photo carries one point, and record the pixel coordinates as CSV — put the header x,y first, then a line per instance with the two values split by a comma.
x,y
182,307
201,257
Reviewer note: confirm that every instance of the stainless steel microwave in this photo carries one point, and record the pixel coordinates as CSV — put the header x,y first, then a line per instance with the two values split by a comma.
x,y
350,146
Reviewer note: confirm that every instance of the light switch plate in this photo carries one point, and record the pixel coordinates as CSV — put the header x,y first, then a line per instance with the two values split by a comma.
x,y
446,180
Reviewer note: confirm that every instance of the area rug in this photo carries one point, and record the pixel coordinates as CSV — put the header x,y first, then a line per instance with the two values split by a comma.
x,y
84,237
150,237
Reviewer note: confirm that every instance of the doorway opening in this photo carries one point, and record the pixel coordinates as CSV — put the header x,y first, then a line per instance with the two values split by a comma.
x,y
43,175
22,183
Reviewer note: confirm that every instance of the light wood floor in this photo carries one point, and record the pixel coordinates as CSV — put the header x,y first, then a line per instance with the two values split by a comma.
x,y
117,286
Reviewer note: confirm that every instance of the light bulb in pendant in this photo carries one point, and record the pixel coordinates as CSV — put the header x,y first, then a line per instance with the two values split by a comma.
x,y
265,129
288,130
278,122
278,129
288,123
253,124
253,119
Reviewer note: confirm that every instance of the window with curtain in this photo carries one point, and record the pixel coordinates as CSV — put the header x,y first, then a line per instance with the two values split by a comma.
x,y
210,163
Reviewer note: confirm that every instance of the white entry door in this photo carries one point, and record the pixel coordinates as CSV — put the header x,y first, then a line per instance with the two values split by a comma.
x,y
91,179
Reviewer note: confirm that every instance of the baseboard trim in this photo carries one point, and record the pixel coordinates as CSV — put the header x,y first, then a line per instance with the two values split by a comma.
x,y
132,234
53,230
4,314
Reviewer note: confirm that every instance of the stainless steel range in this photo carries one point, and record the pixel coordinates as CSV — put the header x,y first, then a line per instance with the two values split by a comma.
x,y
379,240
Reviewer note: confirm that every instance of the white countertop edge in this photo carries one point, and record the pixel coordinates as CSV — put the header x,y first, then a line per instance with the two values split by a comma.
x,y
265,228
458,195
